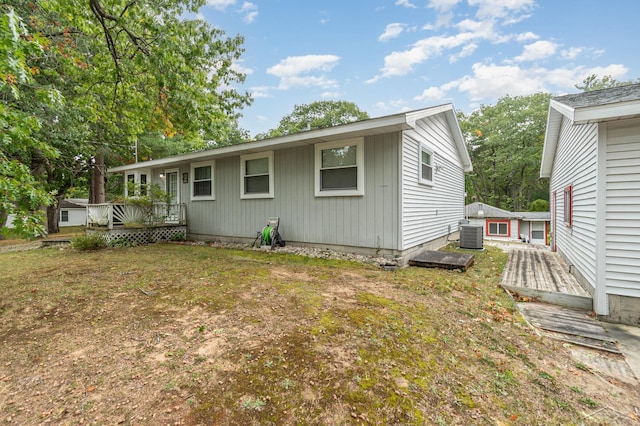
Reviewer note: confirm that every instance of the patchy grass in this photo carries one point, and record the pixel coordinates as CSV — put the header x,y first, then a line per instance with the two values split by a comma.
x,y
170,333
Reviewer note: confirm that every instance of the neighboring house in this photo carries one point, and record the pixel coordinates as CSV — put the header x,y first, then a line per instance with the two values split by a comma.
x,y
73,212
592,157
392,185
498,224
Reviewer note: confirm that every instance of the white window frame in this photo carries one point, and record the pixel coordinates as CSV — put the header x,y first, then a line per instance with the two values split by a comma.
x,y
359,191
192,183
421,179
243,159
136,181
62,214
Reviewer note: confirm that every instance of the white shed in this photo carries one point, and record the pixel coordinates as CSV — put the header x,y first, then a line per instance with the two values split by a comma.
x,y
592,157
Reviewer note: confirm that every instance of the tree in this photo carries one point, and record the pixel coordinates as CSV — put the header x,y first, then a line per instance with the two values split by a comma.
x,y
539,205
505,143
316,115
126,69
592,82
20,192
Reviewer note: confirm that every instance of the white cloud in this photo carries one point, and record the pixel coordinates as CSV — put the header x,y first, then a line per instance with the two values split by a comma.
x,y
431,94
510,11
572,52
221,4
538,50
392,31
250,11
330,95
442,5
527,36
292,71
394,104
237,66
406,3
466,51
260,92
489,81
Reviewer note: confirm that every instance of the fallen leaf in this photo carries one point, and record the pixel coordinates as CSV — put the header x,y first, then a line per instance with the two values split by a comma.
x,y
91,388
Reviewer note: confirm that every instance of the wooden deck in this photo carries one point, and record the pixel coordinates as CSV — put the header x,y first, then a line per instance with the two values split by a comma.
x,y
544,276
443,259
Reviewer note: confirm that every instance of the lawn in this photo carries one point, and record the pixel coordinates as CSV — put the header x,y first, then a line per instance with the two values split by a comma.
x,y
192,334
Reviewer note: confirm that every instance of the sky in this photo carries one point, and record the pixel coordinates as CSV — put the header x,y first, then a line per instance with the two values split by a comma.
x,y
390,56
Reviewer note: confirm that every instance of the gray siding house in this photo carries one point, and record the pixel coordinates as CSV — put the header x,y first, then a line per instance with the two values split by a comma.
x,y
498,224
392,185
592,157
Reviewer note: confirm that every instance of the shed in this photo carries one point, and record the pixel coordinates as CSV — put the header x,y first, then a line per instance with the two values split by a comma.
x,y
392,185
591,156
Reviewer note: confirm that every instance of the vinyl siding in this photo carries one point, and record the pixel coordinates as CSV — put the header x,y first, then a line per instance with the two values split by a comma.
x,y
428,212
369,221
623,208
576,164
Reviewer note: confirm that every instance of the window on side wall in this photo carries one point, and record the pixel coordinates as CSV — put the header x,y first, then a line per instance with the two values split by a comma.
x,y
202,183
339,168
256,175
498,228
568,205
64,215
426,165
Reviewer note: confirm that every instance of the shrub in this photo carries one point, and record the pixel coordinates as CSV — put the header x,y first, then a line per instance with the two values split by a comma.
x,y
88,242
122,242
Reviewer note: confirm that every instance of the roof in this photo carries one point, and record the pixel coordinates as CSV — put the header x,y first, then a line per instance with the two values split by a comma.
x,y
534,215
489,212
615,103
390,123
73,203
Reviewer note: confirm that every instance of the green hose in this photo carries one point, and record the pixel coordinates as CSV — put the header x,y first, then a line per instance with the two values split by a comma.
x,y
266,235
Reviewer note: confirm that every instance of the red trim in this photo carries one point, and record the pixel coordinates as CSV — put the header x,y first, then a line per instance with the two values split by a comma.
x,y
554,220
568,194
486,227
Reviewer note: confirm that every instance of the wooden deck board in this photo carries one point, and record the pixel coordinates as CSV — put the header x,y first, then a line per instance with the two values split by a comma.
x,y
571,325
443,259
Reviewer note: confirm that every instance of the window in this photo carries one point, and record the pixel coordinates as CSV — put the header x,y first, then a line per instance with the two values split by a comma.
x,y
202,186
568,205
498,228
137,183
256,175
426,165
64,215
339,168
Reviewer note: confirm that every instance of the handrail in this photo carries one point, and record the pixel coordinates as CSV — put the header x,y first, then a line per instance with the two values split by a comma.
x,y
134,215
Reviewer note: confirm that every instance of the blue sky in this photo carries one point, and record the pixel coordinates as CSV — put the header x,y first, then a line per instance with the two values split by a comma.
x,y
389,56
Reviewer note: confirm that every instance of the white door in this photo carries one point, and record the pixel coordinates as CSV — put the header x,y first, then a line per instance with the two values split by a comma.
x,y
173,190
537,232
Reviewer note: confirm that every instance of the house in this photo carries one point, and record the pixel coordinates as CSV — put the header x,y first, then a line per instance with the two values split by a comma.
x,y
72,213
392,185
498,224
592,156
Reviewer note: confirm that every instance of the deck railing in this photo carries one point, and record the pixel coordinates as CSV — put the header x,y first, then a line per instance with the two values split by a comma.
x,y
133,215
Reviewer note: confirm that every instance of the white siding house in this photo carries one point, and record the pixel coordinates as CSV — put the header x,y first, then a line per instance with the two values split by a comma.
x,y
499,224
73,212
392,185
592,157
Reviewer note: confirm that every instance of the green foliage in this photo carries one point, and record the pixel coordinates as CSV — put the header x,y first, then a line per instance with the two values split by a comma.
x,y
316,115
592,82
21,193
122,242
89,242
505,143
539,206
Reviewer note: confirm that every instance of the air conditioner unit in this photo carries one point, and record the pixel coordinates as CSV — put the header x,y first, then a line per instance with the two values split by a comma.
x,y
471,237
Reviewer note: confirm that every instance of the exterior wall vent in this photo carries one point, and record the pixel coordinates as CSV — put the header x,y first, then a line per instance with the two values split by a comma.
x,y
471,237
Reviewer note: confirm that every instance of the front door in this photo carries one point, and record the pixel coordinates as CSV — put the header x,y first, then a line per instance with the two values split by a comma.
x,y
537,233
173,190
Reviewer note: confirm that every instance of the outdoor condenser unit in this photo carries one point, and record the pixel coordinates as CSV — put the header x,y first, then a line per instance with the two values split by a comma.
x,y
471,237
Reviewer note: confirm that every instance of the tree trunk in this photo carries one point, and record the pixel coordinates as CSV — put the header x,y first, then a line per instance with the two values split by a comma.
x,y
3,221
98,174
53,215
